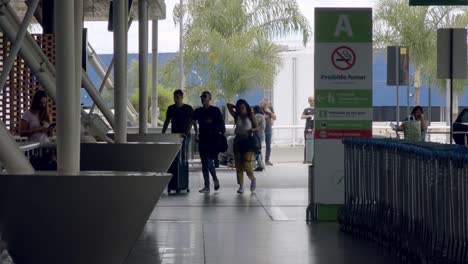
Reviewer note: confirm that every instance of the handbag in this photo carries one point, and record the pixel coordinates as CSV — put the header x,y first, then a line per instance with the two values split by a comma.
x,y
412,129
220,143
254,143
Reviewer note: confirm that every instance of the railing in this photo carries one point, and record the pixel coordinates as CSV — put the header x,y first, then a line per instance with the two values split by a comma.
x,y
32,149
411,198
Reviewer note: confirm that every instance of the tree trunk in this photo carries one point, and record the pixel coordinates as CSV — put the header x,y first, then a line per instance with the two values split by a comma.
x,y
417,86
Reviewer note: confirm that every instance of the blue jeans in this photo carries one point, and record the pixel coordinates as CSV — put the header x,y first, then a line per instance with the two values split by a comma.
x,y
184,150
268,136
207,161
258,157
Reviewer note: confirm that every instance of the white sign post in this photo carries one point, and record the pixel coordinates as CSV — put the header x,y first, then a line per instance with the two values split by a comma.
x,y
343,93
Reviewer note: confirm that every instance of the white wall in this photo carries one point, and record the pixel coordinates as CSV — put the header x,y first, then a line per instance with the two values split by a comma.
x,y
283,95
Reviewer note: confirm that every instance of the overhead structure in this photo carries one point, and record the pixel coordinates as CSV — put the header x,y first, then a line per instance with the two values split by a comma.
x,y
104,236
38,62
98,10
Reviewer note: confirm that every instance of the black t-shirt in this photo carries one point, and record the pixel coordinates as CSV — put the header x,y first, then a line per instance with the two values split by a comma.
x,y
210,121
309,121
181,118
268,119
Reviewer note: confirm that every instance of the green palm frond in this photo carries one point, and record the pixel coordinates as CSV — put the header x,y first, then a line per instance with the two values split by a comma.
x,y
278,17
397,23
229,42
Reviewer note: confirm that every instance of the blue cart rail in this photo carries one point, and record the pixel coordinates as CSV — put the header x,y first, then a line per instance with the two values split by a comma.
x,y
410,197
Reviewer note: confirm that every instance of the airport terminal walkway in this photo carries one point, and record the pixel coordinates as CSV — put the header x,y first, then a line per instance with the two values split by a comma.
x,y
265,227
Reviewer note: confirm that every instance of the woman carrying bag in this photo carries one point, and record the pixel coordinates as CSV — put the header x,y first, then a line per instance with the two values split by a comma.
x,y
245,142
415,126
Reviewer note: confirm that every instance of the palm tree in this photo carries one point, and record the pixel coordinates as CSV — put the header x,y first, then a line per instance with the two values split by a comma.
x,y
397,23
228,45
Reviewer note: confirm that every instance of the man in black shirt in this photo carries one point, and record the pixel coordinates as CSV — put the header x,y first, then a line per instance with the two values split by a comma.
x,y
211,124
308,115
180,116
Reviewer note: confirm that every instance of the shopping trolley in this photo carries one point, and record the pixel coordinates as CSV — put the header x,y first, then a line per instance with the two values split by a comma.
x,y
410,197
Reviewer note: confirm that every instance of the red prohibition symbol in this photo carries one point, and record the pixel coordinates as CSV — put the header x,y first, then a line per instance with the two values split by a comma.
x,y
343,58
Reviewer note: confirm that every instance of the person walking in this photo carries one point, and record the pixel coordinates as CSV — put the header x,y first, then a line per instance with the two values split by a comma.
x,y
245,126
257,110
211,125
308,114
270,117
180,117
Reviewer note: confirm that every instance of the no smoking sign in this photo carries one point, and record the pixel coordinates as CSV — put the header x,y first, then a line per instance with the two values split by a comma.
x,y
343,58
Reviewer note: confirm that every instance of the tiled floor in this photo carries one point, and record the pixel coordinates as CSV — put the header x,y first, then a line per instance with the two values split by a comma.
x,y
265,227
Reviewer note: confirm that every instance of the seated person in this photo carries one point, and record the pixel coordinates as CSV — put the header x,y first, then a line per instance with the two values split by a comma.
x,y
35,123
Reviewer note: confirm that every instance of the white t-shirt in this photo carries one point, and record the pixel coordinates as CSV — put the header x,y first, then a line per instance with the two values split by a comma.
x,y
242,127
34,123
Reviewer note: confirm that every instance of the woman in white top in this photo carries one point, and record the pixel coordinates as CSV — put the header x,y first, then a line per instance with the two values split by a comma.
x,y
35,123
246,125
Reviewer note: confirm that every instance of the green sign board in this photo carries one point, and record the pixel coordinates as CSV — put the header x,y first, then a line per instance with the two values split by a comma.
x,y
350,98
342,26
343,96
437,2
344,125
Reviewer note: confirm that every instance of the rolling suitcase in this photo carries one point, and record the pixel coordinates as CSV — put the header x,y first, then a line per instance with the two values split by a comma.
x,y
180,172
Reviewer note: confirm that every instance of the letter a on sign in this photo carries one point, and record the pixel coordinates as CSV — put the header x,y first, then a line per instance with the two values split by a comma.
x,y
343,25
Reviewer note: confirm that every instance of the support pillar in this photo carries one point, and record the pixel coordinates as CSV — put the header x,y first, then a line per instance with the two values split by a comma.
x,y
79,19
67,141
181,46
120,71
143,65
48,17
11,157
154,76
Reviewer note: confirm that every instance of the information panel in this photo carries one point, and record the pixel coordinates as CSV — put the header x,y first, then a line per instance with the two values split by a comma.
x,y
343,96
343,72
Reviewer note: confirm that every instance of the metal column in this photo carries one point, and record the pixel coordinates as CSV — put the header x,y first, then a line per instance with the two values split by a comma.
x,y
154,76
397,77
79,19
107,81
67,125
294,99
11,157
143,65
181,46
48,18
447,102
120,71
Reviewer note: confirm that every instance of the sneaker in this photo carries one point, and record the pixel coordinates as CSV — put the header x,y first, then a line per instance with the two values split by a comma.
x,y
216,186
204,190
253,185
269,163
241,190
258,169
